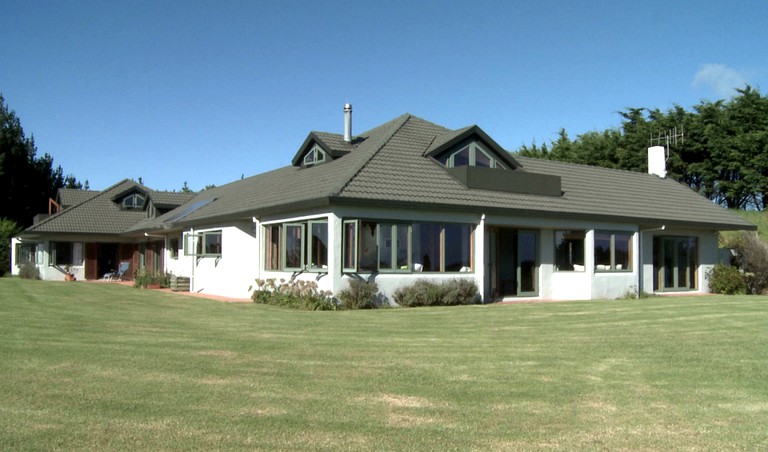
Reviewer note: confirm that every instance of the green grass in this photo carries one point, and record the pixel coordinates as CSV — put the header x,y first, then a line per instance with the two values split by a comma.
x,y
101,366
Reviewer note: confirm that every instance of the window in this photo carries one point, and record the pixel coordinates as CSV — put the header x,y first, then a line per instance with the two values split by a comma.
x,y
420,247
315,156
296,246
203,244
134,201
272,247
173,247
569,250
613,251
65,254
293,252
26,253
350,245
457,248
472,154
318,245
394,247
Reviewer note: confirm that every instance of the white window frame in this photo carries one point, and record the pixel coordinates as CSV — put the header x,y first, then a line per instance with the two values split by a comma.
x,y
315,156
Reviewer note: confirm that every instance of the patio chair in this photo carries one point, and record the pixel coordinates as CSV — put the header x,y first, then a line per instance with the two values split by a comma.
x,y
118,274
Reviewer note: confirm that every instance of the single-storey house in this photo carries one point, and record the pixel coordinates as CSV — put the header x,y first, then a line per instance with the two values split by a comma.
x,y
411,199
84,232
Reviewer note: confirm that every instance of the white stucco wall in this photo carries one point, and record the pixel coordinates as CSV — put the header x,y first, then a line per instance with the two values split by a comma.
x,y
230,274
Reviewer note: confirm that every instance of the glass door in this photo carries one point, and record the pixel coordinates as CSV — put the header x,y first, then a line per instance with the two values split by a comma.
x,y
513,262
675,259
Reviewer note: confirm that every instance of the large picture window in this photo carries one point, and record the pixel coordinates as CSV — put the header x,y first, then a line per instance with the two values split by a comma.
x,y
66,254
613,251
401,247
26,253
296,246
569,250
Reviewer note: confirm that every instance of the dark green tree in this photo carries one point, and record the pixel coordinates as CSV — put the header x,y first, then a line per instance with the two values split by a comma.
x,y
26,181
724,154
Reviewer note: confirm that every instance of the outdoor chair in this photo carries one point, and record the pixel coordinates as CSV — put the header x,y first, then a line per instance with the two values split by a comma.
x,y
118,274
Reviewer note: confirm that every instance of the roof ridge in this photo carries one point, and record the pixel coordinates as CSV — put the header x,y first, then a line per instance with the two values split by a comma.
x,y
404,119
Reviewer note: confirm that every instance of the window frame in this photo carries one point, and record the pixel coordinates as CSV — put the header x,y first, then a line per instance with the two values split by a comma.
x,y
396,232
473,148
174,244
315,156
284,246
350,250
75,254
133,204
273,241
195,243
26,253
310,241
572,262
613,266
276,241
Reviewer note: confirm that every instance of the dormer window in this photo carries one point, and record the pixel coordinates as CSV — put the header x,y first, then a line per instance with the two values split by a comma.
x,y
134,201
315,156
471,154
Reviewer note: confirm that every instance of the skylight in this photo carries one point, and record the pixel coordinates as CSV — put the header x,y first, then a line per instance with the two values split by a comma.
x,y
190,209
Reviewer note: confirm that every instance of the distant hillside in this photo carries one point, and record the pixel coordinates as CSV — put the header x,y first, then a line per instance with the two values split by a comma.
x,y
758,218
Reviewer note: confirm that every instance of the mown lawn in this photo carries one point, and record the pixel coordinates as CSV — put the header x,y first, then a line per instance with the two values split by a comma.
x,y
101,366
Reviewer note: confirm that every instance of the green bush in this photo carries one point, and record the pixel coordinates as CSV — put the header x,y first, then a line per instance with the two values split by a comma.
x,y
752,259
428,293
359,295
292,294
724,279
29,271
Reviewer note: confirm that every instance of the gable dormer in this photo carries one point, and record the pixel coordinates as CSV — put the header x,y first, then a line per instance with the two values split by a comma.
x,y
478,162
321,147
132,198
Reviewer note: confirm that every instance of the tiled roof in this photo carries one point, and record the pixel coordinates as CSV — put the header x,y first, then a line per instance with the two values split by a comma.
x,y
71,196
100,214
388,166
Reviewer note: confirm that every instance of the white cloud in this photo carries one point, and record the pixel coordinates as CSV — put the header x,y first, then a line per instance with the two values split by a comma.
x,y
720,78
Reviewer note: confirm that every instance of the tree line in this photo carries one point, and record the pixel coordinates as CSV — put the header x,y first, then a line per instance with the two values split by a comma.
x,y
723,154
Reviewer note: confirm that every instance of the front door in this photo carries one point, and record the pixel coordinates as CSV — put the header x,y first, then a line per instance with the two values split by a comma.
x,y
513,262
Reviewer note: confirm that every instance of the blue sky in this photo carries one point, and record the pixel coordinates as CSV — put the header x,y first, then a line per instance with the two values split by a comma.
x,y
206,92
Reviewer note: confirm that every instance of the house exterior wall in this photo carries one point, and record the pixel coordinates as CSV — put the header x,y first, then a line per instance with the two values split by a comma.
x,y
243,250
228,275
44,264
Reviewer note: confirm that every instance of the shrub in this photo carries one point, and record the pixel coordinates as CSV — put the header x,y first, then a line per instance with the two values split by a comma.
x,y
752,259
727,280
293,294
428,293
29,271
144,278
359,295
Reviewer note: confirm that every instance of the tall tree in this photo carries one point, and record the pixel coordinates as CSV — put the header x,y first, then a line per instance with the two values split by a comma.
x,y
26,181
724,155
